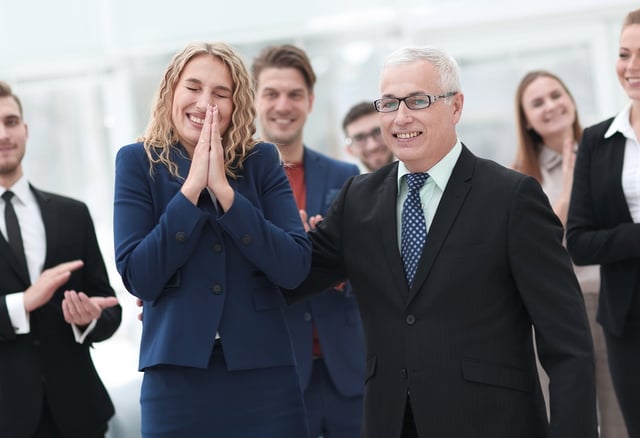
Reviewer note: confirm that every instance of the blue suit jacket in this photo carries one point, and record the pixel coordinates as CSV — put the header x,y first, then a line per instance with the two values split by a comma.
x,y
202,272
335,313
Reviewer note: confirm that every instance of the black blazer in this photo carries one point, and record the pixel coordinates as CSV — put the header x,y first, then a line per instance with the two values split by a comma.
x,y
460,340
47,361
599,226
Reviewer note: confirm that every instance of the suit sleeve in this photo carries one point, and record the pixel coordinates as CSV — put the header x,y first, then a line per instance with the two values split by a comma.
x,y
271,237
588,241
96,283
153,241
327,263
545,280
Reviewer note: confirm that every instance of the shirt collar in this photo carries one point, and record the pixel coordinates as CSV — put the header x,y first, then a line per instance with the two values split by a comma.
x,y
549,159
440,172
621,124
21,190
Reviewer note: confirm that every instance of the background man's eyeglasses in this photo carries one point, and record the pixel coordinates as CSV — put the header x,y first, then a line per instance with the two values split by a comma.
x,y
414,102
361,138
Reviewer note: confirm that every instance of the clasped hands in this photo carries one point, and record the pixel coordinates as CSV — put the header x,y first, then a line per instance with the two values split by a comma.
x,y
207,164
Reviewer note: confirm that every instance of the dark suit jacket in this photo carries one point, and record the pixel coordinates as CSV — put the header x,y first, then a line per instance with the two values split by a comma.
x,y
334,313
460,341
599,226
48,361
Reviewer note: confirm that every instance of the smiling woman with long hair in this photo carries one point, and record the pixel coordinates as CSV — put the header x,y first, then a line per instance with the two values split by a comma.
x,y
549,130
604,224
206,232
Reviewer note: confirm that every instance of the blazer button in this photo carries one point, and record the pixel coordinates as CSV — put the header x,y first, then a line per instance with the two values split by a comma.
x,y
180,236
307,316
217,247
404,373
216,289
246,239
410,320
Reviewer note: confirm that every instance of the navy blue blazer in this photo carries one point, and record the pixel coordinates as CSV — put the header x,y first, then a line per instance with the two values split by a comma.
x,y
200,272
335,313
600,229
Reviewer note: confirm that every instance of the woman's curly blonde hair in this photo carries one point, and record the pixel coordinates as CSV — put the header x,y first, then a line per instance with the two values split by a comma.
x,y
160,136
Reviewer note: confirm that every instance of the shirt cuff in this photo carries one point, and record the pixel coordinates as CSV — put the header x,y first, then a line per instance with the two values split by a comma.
x,y
80,337
17,314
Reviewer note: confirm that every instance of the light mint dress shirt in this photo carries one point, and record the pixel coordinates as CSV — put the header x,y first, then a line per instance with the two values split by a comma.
x,y
432,190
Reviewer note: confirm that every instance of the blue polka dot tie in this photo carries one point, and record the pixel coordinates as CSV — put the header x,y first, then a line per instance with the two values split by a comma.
x,y
414,229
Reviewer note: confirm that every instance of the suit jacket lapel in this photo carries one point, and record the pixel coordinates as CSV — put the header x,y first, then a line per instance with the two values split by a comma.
x,y
450,204
616,202
7,253
51,220
315,181
385,204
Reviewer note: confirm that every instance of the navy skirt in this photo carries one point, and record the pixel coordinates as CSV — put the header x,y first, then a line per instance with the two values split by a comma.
x,y
185,402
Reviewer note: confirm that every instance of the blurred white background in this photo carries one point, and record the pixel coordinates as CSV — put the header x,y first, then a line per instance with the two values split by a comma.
x,y
87,70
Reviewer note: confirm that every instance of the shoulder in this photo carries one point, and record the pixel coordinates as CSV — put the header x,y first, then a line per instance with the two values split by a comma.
x,y
489,177
263,151
597,131
133,148
54,199
333,163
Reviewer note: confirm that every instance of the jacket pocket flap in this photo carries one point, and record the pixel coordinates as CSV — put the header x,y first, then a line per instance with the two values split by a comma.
x,y
496,375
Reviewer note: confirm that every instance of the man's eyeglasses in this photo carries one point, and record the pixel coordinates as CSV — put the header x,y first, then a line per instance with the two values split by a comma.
x,y
361,139
414,102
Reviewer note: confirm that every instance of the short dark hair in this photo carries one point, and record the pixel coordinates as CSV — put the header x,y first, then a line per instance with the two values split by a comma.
x,y
361,109
284,56
5,91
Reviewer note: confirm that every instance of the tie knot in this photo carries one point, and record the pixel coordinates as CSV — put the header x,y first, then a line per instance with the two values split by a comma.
x,y
415,181
7,196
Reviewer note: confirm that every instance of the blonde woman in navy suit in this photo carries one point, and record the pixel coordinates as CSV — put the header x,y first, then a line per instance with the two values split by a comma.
x,y
604,224
206,231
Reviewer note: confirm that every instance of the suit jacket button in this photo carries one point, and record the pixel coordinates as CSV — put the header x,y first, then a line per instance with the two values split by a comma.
x,y
217,247
246,239
410,320
180,236
307,316
216,289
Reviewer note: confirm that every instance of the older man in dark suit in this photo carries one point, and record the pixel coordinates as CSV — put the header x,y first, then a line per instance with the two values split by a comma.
x,y
453,260
55,301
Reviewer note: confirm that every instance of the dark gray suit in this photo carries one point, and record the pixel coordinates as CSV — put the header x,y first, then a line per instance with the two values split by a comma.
x,y
460,341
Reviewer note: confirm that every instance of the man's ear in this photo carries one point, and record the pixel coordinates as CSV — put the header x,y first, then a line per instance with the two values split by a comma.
x,y
457,104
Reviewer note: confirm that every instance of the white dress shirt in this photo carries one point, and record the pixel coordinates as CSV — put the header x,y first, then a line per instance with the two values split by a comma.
x,y
631,164
34,242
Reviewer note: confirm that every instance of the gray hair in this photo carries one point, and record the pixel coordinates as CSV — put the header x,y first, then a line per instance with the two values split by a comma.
x,y
446,65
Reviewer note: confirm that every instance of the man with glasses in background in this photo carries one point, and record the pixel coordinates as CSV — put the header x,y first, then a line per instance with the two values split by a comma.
x,y
361,126
453,260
